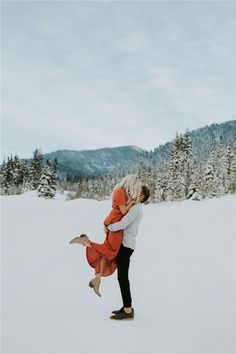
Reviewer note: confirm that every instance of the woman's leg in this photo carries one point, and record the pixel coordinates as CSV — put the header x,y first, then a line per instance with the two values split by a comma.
x,y
108,250
95,283
101,267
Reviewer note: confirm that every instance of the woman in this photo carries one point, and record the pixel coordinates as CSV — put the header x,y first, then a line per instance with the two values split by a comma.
x,y
102,257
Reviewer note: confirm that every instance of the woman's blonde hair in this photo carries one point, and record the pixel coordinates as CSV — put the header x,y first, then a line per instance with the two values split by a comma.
x,y
132,186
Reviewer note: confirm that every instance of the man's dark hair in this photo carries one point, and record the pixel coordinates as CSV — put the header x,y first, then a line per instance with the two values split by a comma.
x,y
146,194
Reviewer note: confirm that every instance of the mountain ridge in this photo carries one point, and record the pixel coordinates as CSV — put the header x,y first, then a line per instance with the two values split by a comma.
x,y
110,160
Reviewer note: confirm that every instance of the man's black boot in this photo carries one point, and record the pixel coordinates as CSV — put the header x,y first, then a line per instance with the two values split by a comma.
x,y
118,311
123,316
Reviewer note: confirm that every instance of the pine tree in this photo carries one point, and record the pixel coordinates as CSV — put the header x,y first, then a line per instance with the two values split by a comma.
x,y
147,176
161,183
189,177
28,177
196,189
4,178
232,170
8,185
37,167
17,175
45,188
229,156
222,169
170,175
176,189
210,174
54,179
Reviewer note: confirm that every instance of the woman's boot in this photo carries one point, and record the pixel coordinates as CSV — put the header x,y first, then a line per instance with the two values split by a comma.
x,y
82,240
95,283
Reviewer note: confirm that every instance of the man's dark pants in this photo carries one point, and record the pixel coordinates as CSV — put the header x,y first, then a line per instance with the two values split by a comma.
x,y
123,261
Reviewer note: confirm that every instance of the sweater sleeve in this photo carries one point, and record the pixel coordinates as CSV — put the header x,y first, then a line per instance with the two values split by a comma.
x,y
126,220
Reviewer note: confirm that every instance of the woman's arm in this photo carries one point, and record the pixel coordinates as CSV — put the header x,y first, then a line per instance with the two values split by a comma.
x,y
125,208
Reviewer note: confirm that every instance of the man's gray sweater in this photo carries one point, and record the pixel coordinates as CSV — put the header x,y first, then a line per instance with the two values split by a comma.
x,y
129,223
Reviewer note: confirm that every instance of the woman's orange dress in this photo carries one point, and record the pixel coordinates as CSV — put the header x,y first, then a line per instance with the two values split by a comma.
x,y
111,245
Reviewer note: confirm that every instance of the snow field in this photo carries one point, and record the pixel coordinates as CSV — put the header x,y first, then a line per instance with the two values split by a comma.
x,y
182,278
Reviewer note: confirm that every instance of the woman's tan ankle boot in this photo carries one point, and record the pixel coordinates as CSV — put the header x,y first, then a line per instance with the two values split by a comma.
x,y
95,283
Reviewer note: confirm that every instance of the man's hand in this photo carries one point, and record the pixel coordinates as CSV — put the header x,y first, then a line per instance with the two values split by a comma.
x,y
106,230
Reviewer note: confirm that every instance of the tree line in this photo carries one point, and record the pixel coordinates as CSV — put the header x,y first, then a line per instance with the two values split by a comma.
x,y
180,177
19,175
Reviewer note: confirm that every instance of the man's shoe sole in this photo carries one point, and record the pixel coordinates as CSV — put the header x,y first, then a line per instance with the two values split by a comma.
x,y
122,319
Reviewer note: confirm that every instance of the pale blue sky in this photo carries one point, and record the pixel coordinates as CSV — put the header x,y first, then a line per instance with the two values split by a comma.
x,y
90,74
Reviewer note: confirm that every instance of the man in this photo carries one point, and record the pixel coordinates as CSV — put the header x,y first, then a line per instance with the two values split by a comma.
x,y
129,223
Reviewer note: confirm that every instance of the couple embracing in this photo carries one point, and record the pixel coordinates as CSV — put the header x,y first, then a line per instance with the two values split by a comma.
x,y
121,227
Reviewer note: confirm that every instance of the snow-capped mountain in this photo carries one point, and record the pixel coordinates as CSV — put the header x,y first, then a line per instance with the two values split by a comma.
x,y
95,162
103,161
202,140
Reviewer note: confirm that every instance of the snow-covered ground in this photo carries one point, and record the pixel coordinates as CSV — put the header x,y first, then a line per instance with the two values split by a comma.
x,y
182,279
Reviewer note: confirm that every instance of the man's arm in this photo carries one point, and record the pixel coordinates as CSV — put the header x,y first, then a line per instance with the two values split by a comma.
x,y
126,220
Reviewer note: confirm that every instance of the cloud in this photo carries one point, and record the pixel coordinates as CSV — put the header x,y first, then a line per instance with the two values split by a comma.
x,y
134,42
202,99
92,74
59,108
